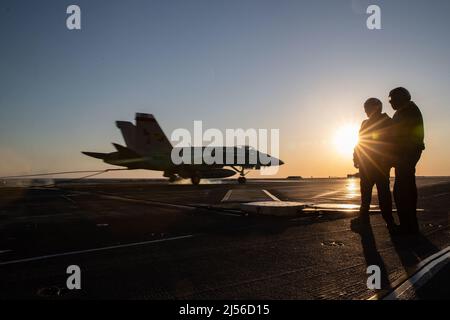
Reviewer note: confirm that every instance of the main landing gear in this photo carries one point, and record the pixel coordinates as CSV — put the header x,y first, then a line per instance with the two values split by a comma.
x,y
195,180
242,179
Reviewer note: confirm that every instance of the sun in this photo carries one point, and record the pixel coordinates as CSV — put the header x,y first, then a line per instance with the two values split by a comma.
x,y
346,138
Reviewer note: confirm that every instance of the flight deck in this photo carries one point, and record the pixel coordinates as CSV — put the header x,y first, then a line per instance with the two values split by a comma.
x,y
157,240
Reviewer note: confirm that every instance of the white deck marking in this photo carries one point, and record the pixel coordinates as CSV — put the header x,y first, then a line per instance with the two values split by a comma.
x,y
227,195
71,253
271,195
68,199
326,194
157,203
427,269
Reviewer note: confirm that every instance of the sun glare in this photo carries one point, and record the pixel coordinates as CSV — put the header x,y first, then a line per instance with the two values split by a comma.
x,y
345,139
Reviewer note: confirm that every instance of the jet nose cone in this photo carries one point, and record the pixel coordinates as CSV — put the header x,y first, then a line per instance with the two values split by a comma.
x,y
281,162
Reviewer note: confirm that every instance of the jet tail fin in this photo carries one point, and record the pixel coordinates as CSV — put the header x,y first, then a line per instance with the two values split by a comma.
x,y
146,137
149,136
128,132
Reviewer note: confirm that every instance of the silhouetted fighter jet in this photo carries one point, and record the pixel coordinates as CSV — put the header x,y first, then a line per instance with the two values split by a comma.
x,y
147,147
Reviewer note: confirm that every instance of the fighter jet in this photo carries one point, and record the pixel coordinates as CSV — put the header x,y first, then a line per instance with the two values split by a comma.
x,y
147,147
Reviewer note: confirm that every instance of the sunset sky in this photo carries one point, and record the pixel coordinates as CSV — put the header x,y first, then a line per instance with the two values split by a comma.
x,y
304,67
